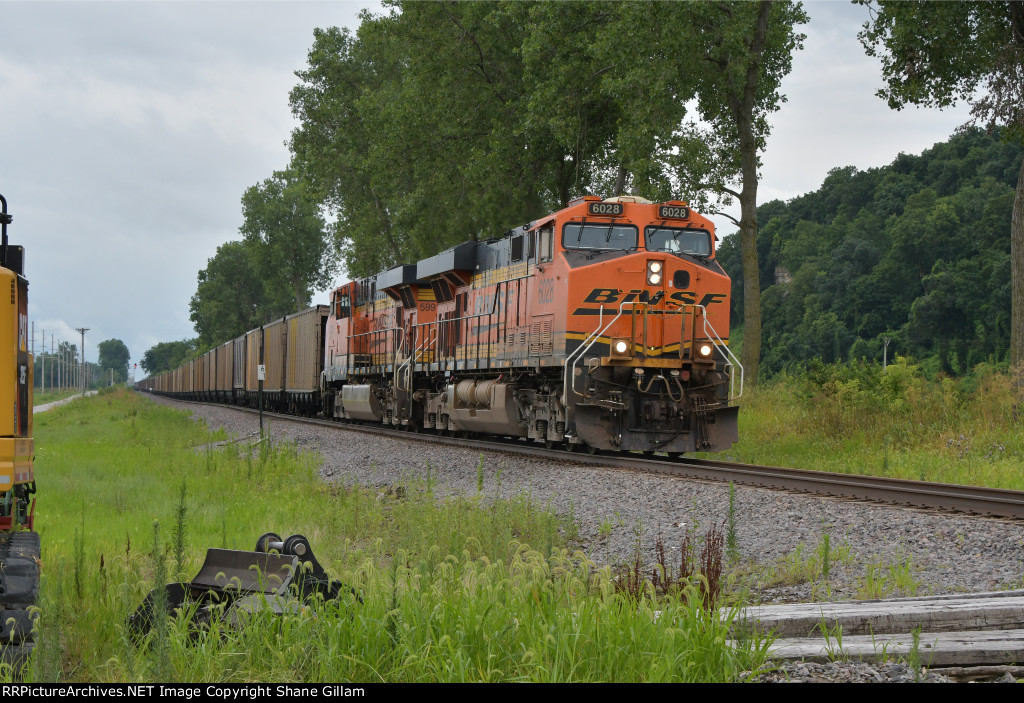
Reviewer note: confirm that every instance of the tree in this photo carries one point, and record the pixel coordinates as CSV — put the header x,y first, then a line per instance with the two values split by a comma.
x,y
745,51
114,357
166,356
284,230
412,131
231,297
731,68
915,251
445,121
938,53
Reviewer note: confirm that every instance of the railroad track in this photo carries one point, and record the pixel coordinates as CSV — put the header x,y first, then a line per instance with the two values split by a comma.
x,y
995,502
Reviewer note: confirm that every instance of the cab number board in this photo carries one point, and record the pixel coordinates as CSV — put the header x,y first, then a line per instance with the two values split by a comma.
x,y
606,209
673,212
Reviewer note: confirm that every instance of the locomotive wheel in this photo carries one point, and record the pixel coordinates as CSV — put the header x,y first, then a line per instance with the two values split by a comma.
x,y
549,444
570,447
592,450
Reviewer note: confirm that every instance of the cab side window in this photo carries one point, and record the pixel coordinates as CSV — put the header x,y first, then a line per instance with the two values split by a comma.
x,y
341,305
545,243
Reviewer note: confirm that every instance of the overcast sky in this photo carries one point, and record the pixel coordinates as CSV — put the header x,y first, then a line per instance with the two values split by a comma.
x,y
129,130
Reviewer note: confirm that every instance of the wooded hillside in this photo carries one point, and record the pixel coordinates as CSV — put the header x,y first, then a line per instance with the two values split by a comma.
x,y
917,251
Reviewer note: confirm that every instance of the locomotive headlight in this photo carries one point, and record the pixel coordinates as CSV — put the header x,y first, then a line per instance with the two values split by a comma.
x,y
705,350
654,273
620,348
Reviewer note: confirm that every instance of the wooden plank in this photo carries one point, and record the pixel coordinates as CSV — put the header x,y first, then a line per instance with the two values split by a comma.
x,y
944,614
934,649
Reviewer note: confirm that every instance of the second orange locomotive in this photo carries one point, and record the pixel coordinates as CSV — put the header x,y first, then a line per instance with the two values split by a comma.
x,y
602,326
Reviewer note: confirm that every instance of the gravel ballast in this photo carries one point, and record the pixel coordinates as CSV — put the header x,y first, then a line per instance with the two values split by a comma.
x,y
929,552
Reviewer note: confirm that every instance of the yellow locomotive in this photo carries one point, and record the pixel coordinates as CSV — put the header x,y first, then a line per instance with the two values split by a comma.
x,y
19,545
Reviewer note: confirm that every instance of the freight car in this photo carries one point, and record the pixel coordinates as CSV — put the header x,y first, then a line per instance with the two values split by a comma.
x,y
602,326
290,348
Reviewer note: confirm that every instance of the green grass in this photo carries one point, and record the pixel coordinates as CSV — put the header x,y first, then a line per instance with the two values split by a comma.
x,y
467,589
858,419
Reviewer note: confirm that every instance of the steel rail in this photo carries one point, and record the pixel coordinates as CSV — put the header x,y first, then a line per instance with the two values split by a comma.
x,y
996,502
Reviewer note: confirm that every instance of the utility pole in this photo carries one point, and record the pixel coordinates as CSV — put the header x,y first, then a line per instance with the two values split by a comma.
x,y
885,351
82,331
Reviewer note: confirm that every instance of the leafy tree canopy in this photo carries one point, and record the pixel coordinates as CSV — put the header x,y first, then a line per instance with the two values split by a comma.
x,y
166,356
915,252
232,298
440,122
114,357
939,53
284,233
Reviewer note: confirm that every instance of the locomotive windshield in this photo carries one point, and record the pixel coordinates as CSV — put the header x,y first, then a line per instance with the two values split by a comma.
x,y
599,235
695,242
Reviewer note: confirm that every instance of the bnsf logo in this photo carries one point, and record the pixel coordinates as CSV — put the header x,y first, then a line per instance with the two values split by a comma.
x,y
604,296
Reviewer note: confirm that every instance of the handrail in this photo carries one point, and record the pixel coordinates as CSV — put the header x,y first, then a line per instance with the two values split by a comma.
x,y
372,333
438,323
723,349
587,344
398,353
410,360
426,341
579,350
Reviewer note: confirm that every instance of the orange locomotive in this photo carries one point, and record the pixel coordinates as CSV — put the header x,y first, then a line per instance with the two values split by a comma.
x,y
602,326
